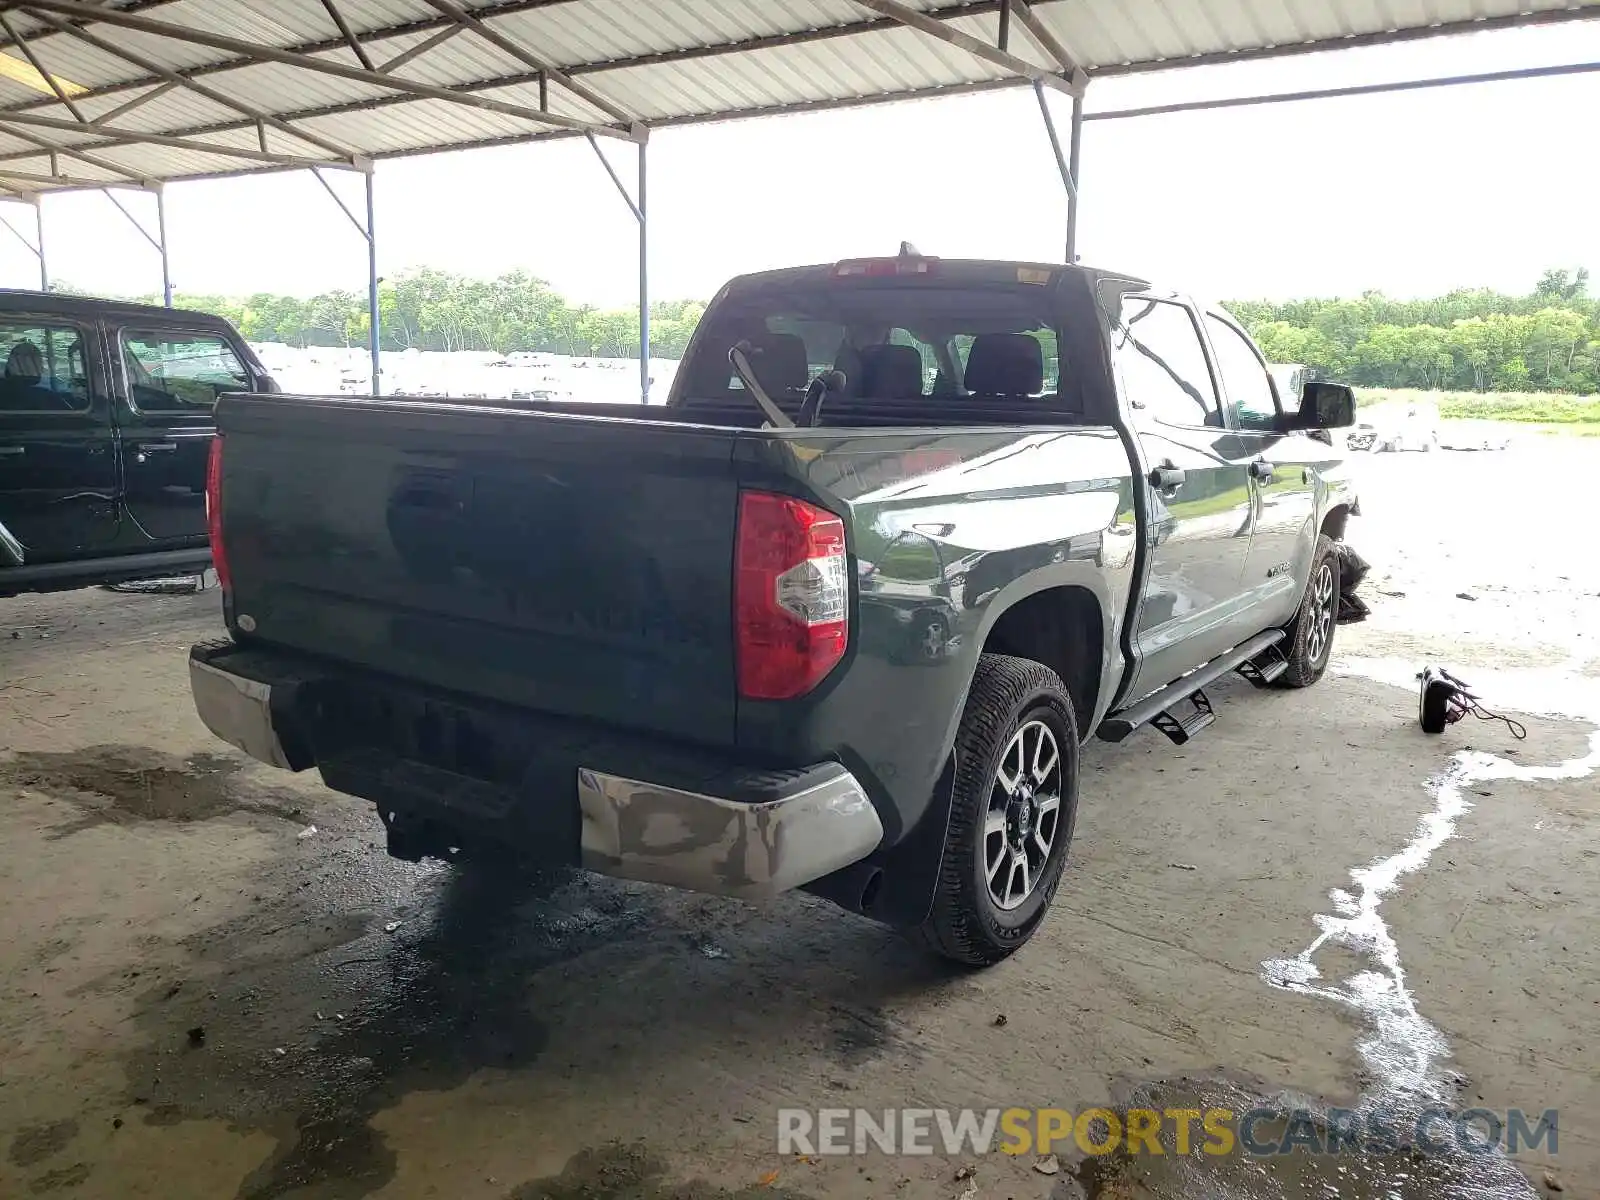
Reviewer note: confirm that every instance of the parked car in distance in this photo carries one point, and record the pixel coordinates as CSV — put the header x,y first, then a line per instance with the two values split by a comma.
x,y
826,619
1361,436
105,427
1413,426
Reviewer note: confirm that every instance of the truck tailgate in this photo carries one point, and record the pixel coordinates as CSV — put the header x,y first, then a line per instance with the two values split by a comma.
x,y
575,565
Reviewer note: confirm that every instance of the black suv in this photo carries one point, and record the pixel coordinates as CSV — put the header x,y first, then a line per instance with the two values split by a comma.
x,y
105,428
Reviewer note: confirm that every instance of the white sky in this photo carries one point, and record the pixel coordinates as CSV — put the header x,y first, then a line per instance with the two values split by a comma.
x,y
1411,193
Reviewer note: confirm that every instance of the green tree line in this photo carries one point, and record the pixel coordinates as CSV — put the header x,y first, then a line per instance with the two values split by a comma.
x,y
1470,340
1474,340
438,310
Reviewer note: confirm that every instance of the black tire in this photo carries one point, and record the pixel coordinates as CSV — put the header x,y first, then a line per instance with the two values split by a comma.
x,y
1009,698
1307,649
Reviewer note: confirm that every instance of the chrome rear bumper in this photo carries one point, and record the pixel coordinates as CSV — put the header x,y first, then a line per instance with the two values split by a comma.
x,y
814,824
238,710
637,830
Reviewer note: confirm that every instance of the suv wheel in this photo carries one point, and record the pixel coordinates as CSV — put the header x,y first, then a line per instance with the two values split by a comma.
x,y
1011,820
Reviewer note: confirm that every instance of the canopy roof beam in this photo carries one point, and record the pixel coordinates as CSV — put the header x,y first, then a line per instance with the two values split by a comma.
x,y
1048,42
348,34
528,59
1004,59
53,149
135,136
50,80
259,52
174,79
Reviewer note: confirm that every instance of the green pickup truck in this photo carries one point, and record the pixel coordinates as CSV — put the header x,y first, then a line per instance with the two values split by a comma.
x,y
836,617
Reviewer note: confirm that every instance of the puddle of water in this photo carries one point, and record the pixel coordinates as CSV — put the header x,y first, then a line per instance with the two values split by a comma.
x,y
426,1006
36,1143
131,783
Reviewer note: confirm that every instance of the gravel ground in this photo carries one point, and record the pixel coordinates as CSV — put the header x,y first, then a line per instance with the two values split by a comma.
x,y
201,998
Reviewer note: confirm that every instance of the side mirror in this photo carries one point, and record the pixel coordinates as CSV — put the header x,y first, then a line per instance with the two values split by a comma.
x,y
1324,406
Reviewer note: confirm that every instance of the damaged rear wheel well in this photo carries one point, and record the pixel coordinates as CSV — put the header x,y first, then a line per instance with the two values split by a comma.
x,y
1062,628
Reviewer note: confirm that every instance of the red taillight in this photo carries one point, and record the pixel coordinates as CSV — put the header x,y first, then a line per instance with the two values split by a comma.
x,y
219,555
790,596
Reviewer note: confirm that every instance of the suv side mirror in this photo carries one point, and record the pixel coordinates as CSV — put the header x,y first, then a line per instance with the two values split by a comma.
x,y
1323,406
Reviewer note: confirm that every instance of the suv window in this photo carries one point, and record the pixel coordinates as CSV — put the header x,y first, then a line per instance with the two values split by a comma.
x,y
1244,377
180,372
1162,363
44,368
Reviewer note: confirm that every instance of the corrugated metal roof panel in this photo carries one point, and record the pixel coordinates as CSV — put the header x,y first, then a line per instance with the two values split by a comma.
x,y
655,60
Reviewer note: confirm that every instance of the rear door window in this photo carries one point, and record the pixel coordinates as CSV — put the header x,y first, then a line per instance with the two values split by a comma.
x,y
173,371
44,368
1162,363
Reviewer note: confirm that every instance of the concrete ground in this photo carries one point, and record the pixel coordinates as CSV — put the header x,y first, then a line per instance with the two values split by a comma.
x,y
213,982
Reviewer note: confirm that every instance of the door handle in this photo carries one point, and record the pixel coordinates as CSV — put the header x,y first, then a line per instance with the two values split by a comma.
x,y
1167,477
12,451
145,449
1261,471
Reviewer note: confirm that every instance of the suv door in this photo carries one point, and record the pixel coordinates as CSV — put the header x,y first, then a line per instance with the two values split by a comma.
x,y
1283,482
1197,492
58,465
171,377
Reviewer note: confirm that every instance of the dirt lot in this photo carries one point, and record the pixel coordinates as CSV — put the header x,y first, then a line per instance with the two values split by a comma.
x,y
215,983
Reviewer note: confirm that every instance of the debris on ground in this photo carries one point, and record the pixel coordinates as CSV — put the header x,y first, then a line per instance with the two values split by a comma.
x,y
1047,1164
1551,1182
1465,596
1000,1019
965,1171
197,1036
767,1180
1183,866
970,1192
1352,571
308,831
711,951
392,926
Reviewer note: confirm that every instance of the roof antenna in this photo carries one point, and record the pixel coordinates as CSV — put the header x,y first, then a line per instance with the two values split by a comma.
x,y
907,250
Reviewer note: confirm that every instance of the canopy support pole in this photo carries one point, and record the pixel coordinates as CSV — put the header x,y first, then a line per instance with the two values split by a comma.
x,y
161,238
1074,155
644,283
158,240
35,247
373,332
636,205
368,232
1066,161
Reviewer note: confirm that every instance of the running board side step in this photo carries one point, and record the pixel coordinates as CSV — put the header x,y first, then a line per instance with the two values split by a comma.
x,y
1119,725
1265,668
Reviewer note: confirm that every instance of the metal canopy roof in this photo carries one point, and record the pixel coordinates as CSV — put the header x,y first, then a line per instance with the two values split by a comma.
x,y
135,92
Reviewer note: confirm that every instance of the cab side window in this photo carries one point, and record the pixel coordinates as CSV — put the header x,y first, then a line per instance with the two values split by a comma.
x,y
1244,377
1159,355
44,369
180,372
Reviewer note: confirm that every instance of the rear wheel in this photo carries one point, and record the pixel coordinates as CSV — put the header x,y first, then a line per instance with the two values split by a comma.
x,y
1309,645
1012,815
